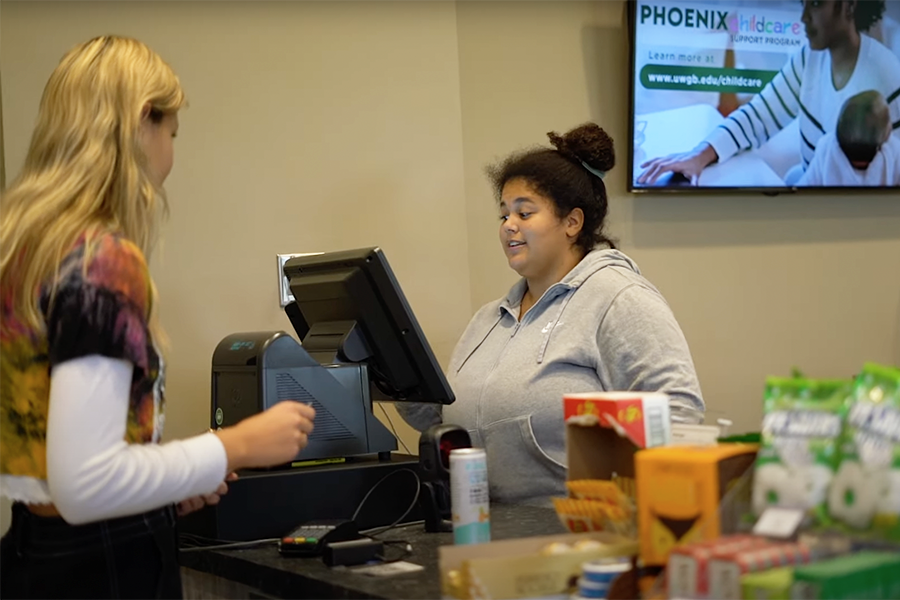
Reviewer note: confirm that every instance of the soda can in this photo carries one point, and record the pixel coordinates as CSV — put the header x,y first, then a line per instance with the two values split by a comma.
x,y
469,499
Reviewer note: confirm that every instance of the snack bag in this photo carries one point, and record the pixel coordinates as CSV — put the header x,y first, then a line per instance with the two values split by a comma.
x,y
598,489
865,492
593,515
596,505
798,454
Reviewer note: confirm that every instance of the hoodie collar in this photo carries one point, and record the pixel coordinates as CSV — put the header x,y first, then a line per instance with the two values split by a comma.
x,y
590,264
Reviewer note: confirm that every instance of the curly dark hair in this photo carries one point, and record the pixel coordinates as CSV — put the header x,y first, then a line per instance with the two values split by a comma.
x,y
867,13
561,176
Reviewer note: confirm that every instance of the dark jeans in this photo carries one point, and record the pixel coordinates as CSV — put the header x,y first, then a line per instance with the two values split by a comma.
x,y
129,557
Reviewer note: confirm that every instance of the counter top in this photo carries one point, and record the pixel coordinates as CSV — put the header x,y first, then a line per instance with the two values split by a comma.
x,y
268,573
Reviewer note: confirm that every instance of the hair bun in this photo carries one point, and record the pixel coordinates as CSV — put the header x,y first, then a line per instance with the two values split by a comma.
x,y
557,141
587,143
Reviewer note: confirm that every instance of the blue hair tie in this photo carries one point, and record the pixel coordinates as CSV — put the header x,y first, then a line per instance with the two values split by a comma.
x,y
592,170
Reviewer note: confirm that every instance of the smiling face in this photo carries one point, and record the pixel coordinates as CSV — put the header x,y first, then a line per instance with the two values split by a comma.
x,y
827,22
538,244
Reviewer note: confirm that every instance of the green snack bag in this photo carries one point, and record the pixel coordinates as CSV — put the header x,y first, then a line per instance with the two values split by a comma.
x,y
799,442
868,575
865,493
773,584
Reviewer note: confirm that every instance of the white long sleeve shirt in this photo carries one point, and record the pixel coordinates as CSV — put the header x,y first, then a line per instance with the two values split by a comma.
x,y
92,473
804,90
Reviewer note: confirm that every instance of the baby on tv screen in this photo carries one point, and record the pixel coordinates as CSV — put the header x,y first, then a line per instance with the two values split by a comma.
x,y
765,94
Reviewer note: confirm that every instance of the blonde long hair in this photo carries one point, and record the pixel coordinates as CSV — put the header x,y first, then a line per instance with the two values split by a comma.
x,y
85,173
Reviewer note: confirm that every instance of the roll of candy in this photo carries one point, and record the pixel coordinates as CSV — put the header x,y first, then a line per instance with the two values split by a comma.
x,y
597,576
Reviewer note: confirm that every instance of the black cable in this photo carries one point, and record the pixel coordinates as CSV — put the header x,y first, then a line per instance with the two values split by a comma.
x,y
387,389
412,504
199,540
230,545
398,526
384,385
407,551
393,429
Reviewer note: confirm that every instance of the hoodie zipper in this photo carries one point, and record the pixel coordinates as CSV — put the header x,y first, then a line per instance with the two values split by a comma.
x,y
478,410
569,288
519,322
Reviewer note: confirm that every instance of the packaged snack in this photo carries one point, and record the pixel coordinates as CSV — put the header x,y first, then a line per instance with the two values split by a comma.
x,y
598,576
800,438
556,548
687,571
865,492
773,584
596,505
598,489
593,515
726,572
586,545
867,575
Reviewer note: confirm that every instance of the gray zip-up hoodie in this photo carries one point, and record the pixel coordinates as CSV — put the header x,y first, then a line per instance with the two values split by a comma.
x,y
602,328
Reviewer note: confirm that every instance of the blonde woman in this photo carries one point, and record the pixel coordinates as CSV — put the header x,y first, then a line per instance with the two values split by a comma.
x,y
81,391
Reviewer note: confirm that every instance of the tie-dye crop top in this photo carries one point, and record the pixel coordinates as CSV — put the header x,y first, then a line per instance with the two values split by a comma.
x,y
103,310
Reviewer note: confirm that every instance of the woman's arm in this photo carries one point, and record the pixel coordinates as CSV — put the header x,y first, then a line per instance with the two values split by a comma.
x,y
92,472
642,348
420,416
767,113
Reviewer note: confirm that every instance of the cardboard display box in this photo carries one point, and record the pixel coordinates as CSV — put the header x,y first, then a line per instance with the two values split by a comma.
x,y
680,491
605,429
604,432
520,568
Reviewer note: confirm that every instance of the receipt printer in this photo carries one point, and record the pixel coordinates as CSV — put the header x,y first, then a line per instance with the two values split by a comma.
x,y
253,371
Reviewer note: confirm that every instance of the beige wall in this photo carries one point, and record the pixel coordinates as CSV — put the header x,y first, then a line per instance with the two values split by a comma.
x,y
333,125
311,127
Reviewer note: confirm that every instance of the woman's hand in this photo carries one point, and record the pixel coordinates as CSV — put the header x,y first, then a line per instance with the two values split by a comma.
x,y
690,164
272,437
186,507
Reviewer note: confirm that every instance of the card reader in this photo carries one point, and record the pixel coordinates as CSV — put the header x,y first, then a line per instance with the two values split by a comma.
x,y
310,538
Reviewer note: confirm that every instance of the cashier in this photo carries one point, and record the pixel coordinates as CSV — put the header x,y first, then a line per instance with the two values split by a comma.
x,y
581,318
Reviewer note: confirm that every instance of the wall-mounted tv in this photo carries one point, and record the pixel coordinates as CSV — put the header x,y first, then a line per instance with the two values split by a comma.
x,y
764,95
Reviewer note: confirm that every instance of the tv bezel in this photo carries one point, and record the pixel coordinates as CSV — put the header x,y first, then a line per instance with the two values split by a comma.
x,y
631,15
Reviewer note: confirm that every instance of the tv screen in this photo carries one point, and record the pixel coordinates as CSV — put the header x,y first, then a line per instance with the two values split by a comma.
x,y
764,95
